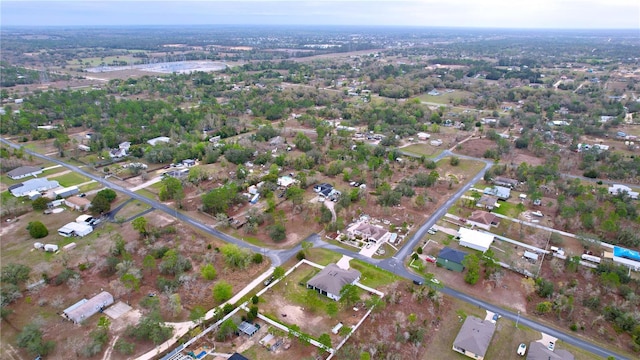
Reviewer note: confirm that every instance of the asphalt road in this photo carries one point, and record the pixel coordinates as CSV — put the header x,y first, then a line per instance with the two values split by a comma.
x,y
394,264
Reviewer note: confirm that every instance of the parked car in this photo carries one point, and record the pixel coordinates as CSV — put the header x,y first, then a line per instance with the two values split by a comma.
x,y
432,231
522,349
435,281
268,281
418,282
552,345
431,259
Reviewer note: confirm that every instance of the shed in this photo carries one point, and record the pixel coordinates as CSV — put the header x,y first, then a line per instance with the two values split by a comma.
x,y
530,256
248,328
451,259
507,182
84,308
475,239
34,195
50,247
66,192
84,219
271,342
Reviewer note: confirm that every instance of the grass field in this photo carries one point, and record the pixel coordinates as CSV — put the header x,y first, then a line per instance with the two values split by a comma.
x,y
425,150
148,194
323,256
371,275
444,98
70,179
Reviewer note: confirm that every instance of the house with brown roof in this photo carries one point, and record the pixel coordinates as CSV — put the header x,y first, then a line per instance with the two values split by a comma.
x,y
487,202
483,219
77,203
474,337
367,232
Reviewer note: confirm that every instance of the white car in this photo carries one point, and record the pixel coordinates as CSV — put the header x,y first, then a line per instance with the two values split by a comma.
x,y
522,349
435,281
552,345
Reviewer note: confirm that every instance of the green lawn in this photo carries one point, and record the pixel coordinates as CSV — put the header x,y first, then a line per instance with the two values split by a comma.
x,y
148,194
373,276
507,209
425,150
323,256
70,179
444,98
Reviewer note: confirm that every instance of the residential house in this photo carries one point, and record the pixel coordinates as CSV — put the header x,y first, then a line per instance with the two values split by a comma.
x,y
286,181
29,186
83,147
451,259
487,202
78,203
540,351
483,219
188,162
236,356
617,189
367,232
320,188
248,328
124,145
506,182
474,239
330,280
84,308
501,192
75,229
474,337
159,139
117,153
24,171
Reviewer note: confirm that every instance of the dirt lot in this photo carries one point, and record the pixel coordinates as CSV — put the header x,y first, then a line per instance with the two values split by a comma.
x,y
42,304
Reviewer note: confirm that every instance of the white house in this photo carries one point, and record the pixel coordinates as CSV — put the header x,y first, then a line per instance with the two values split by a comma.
x,y
159,139
475,239
75,229
84,308
28,186
616,189
24,171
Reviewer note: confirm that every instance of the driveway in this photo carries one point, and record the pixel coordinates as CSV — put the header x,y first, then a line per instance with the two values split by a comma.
x,y
370,249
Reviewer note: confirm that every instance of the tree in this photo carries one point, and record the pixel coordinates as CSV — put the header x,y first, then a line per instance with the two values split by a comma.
x,y
278,272
332,309
109,194
226,329
100,205
31,339
37,230
124,347
208,272
40,203
222,291
277,232
306,245
140,225
349,294
544,288
472,263
295,194
197,314
149,262
15,273
171,189
235,256
130,281
325,340
150,327
302,142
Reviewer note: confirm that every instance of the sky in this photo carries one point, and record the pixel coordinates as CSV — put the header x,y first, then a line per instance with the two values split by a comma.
x,y
555,14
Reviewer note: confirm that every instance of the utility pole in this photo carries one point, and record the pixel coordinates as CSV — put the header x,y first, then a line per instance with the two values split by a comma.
x,y
518,319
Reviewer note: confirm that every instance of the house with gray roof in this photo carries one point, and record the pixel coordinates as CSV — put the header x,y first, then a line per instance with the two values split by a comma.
x,y
24,171
84,308
487,202
32,185
474,337
540,351
330,280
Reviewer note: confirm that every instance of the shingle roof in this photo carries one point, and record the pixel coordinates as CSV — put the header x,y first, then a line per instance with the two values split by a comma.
x,y
332,278
23,170
539,351
475,335
450,254
482,217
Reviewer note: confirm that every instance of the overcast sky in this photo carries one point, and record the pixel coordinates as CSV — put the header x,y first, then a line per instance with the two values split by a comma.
x,y
583,14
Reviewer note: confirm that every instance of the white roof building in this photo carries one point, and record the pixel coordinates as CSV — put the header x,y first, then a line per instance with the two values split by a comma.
x,y
475,239
75,229
28,186
162,139
616,189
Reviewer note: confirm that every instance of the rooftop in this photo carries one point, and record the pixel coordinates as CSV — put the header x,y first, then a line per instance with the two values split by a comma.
x,y
450,254
23,170
332,278
475,335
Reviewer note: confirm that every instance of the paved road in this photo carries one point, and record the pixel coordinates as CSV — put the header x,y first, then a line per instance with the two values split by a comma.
x,y
394,264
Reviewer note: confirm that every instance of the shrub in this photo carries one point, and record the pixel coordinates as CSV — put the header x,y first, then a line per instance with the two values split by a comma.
x,y
300,255
37,230
255,299
208,272
222,291
419,250
257,258
40,203
124,347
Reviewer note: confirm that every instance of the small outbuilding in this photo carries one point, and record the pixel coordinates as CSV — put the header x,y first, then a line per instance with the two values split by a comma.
x,y
66,192
78,203
84,308
248,328
531,256
451,259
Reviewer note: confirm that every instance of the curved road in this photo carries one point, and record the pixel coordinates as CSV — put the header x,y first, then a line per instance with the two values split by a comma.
x,y
394,264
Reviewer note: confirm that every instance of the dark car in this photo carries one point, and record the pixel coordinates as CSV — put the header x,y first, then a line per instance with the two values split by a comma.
x,y
268,281
418,282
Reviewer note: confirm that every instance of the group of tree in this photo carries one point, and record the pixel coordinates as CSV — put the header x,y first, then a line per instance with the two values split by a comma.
x,y
101,203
